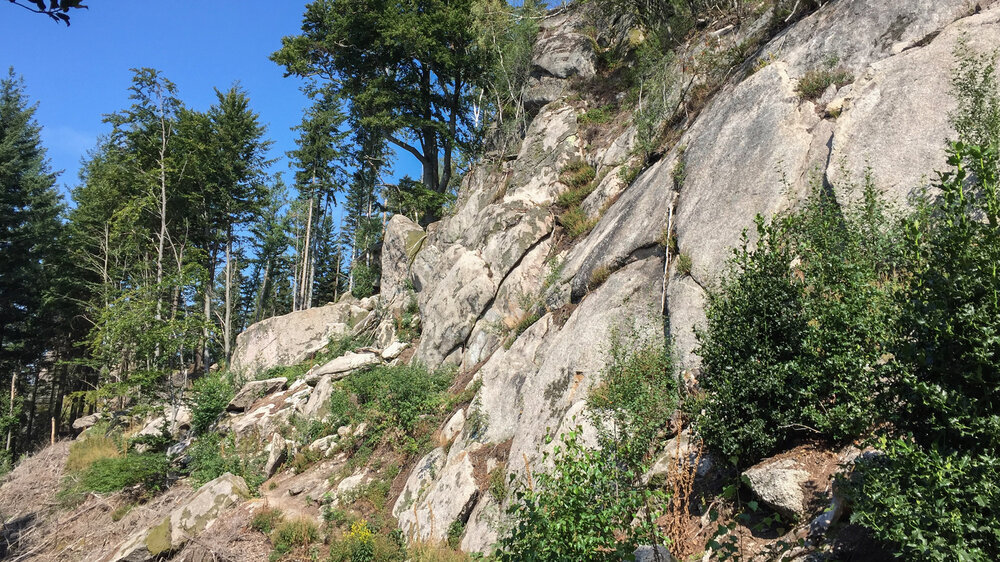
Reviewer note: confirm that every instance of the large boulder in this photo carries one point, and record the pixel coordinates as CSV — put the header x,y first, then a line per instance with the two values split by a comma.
x,y
346,364
294,337
856,33
896,116
451,498
400,245
195,514
253,391
88,421
419,481
318,404
779,485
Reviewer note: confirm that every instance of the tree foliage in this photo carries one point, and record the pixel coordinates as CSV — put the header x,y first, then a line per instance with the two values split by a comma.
x,y
409,71
798,331
57,10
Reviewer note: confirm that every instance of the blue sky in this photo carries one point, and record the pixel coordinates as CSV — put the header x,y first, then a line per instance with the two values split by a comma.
x,y
80,73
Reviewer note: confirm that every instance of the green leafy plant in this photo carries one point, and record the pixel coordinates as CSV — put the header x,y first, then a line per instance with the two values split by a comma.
x,y
810,307
814,82
213,455
684,264
576,222
596,116
928,503
292,534
585,508
209,396
108,475
266,519
394,398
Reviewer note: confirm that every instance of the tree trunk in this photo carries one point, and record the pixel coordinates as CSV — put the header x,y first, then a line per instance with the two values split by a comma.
x,y
163,216
305,288
228,321
10,409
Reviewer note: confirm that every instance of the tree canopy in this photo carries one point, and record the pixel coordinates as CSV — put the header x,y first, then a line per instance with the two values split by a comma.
x,y
409,71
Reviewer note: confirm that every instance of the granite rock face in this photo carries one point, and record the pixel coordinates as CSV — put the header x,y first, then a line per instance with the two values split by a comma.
x,y
195,514
293,338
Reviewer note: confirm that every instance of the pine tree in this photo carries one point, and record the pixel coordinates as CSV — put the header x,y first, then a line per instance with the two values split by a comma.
x,y
30,209
319,176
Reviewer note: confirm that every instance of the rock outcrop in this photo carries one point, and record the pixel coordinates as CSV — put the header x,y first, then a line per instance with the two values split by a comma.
x,y
293,338
198,512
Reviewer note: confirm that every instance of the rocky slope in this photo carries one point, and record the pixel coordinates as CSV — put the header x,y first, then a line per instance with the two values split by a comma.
x,y
524,310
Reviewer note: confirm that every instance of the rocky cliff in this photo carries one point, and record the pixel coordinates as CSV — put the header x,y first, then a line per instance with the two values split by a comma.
x,y
523,307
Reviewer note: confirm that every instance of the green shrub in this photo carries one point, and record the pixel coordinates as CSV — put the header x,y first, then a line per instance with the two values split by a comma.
x,y
341,408
582,510
815,82
209,396
596,116
797,333
933,495
455,532
684,264
213,455
576,222
395,397
266,519
112,474
637,394
91,448
292,534
365,279
929,504
361,544
577,174
585,507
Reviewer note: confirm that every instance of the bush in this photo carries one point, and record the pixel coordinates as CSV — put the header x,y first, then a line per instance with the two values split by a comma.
x,y
93,447
108,475
394,398
930,504
596,116
360,544
213,455
586,507
266,519
292,534
815,82
576,222
209,396
684,264
798,332
582,510
635,399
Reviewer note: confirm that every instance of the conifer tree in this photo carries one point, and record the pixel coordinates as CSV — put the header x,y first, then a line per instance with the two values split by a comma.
x,y
30,209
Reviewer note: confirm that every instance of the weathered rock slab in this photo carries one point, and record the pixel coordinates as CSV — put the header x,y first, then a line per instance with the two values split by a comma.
x,y
253,391
195,514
